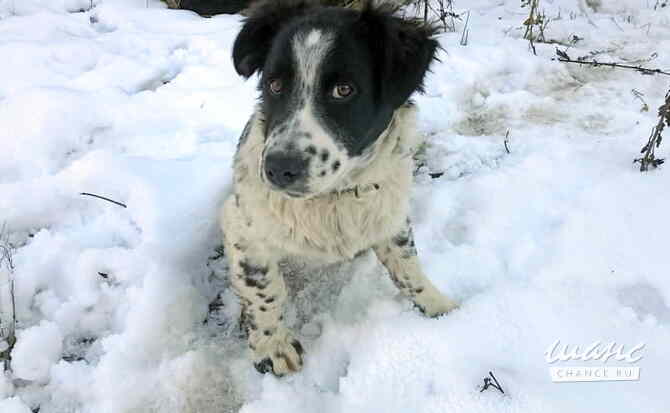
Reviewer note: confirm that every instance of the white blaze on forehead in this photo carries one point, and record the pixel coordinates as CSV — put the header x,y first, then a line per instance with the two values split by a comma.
x,y
310,47
310,50
313,38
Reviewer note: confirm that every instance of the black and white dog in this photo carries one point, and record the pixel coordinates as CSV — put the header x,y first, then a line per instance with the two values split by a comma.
x,y
324,167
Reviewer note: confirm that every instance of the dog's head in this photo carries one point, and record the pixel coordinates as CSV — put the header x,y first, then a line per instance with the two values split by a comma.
x,y
331,79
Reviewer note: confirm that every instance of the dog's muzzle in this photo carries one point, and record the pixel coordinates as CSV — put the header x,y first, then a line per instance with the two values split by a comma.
x,y
287,171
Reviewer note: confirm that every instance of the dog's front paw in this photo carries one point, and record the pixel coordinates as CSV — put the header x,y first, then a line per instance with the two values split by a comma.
x,y
279,353
434,304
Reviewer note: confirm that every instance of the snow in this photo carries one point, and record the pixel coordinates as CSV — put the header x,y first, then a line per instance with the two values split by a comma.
x,y
13,405
563,238
37,348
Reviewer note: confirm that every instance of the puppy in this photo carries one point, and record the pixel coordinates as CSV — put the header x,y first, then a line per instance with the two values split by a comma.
x,y
323,169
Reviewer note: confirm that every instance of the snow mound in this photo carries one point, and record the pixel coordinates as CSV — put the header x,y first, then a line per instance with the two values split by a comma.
x,y
126,307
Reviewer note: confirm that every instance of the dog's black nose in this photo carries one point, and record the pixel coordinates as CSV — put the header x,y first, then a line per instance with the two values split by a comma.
x,y
284,169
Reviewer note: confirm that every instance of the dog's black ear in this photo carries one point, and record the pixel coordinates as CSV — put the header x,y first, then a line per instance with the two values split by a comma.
x,y
402,49
253,43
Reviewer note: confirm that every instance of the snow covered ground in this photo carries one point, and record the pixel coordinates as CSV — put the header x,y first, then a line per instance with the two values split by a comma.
x,y
561,239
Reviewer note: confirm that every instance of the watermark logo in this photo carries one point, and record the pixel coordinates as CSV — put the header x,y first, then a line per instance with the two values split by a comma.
x,y
597,355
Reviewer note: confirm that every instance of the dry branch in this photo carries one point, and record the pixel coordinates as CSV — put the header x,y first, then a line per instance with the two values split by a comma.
x,y
655,138
7,299
563,57
105,198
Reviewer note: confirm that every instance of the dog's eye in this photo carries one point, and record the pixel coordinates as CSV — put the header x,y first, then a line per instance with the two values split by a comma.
x,y
342,90
275,86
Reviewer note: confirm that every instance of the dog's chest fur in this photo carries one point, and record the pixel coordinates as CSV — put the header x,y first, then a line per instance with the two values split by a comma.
x,y
333,226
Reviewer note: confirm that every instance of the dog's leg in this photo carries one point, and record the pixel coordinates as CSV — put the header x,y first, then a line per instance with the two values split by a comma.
x,y
262,293
256,279
400,259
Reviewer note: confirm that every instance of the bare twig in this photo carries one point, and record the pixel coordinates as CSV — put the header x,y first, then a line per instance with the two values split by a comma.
x,y
453,16
506,141
444,9
491,383
466,31
533,20
104,198
448,11
563,57
6,249
655,138
7,299
536,23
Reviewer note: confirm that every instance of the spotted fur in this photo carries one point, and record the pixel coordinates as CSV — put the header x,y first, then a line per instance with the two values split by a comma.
x,y
349,162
